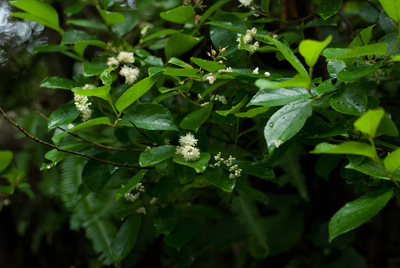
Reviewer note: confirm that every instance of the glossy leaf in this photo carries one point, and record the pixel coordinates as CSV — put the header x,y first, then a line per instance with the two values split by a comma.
x,y
392,161
357,71
199,165
346,53
209,66
136,91
357,212
179,43
278,96
235,109
296,81
110,18
253,112
182,15
126,237
351,99
286,122
195,119
254,193
131,183
182,72
184,231
95,176
387,127
311,49
156,155
351,147
73,36
220,178
49,48
165,219
94,68
5,159
122,28
88,24
101,92
328,8
368,123
160,34
371,168
392,8
125,209
56,156
63,115
58,82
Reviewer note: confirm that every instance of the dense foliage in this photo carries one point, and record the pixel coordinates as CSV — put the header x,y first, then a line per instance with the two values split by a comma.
x,y
184,122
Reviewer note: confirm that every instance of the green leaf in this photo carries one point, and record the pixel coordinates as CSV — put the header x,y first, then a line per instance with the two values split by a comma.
x,y
88,24
235,109
357,71
160,33
131,183
311,49
211,9
126,237
371,168
95,176
49,48
183,232
136,91
149,116
165,219
253,193
357,212
286,122
296,81
195,119
56,156
179,43
392,8
368,123
182,72
63,115
106,76
253,112
209,66
156,155
328,8
346,53
351,147
391,161
277,96
387,127
101,92
288,54
97,121
131,19
220,178
199,165
182,15
95,67
110,18
5,159
351,99
72,36
37,11
58,82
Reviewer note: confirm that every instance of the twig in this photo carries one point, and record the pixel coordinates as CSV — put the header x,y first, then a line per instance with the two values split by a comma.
x,y
141,132
94,143
67,151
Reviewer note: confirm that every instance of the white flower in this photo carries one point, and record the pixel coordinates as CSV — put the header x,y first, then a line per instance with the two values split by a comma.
x,y
267,74
70,126
130,197
277,143
188,139
112,62
210,78
247,39
153,201
275,36
139,187
190,153
228,69
204,104
88,86
141,210
126,57
130,74
82,104
255,47
255,71
245,3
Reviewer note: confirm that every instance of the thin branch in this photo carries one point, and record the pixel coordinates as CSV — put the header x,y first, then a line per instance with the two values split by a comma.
x,y
67,151
94,143
141,132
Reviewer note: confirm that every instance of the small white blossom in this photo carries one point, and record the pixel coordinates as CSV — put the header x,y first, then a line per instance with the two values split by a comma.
x,y
255,71
126,57
277,143
211,78
228,69
130,74
267,74
204,104
245,3
275,36
112,62
88,86
188,139
82,104
190,153
141,210
70,126
130,197
255,47
153,201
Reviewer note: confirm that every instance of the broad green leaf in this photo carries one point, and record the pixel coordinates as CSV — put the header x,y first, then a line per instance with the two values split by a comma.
x,y
110,18
253,112
387,127
63,115
97,121
183,232
5,159
126,237
37,11
351,147
122,28
160,33
101,92
199,182
88,24
261,169
136,91
95,176
149,116
368,123
182,72
49,48
371,168
179,43
277,96
209,66
58,82
131,183
253,193
7,189
357,71
392,8
73,36
391,161
125,208
180,63
95,67
156,155
351,99
332,53
326,86
357,212
211,9
199,165
288,54
106,76
346,53
311,49
182,15
326,163
220,178
286,122
235,109
165,219
195,119
328,8
56,156
296,81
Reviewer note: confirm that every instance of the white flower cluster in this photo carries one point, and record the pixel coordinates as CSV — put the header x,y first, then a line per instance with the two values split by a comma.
x,y
153,201
245,3
187,148
82,104
234,169
220,98
133,197
123,56
228,69
112,62
211,78
141,210
247,39
130,74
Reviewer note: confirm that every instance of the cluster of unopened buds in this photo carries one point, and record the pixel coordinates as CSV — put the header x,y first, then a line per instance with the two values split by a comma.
x,y
246,3
82,104
234,170
217,57
133,197
220,98
188,148
130,74
248,39
255,71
